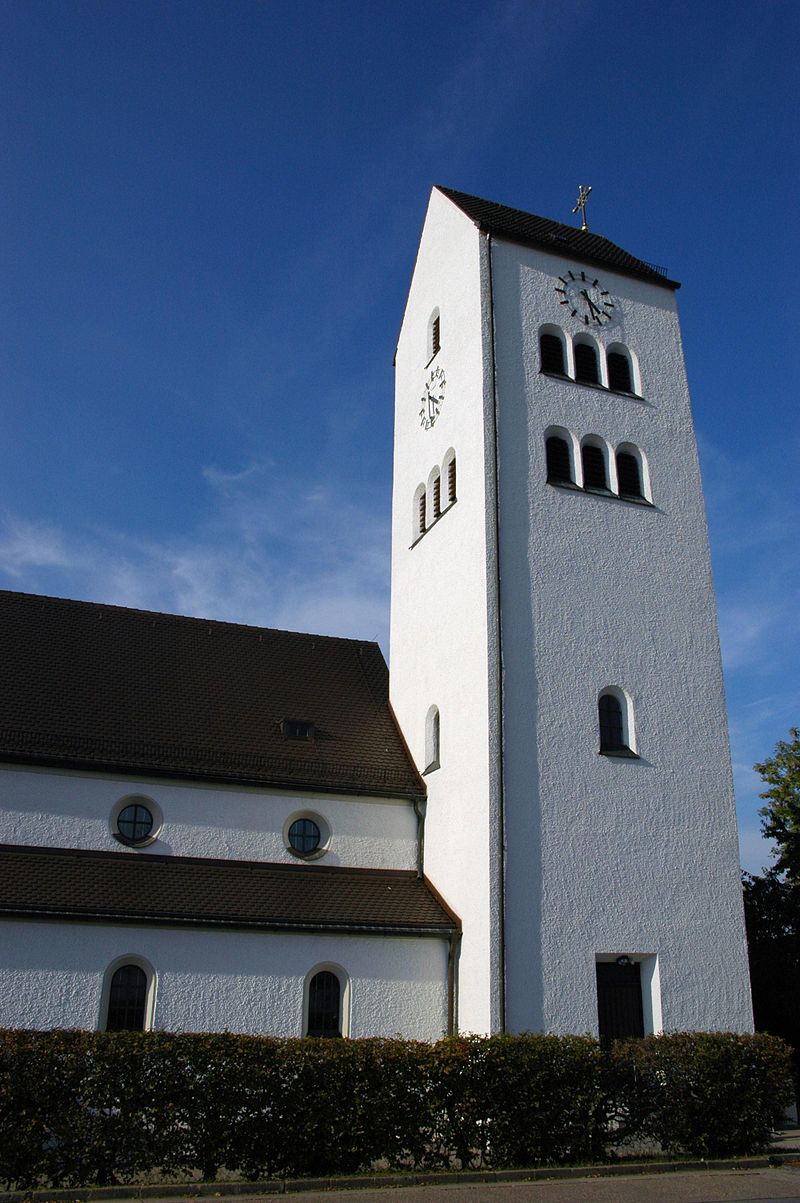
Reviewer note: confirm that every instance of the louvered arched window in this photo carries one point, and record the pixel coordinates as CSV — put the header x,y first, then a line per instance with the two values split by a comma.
x,y
559,468
451,480
619,372
629,476
436,496
594,467
420,516
551,350
434,334
586,369
324,1005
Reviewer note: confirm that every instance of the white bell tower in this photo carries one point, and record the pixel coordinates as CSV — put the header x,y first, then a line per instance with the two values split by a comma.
x,y
554,652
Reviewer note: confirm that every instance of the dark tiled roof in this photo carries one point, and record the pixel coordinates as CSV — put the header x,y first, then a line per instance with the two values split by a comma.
x,y
97,686
553,236
130,888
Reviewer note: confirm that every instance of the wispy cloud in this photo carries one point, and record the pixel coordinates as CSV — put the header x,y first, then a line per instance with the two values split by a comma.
x,y
270,551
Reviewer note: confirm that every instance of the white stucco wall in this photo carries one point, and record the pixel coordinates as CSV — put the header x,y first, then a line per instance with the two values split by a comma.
x,y
608,855
222,981
602,856
68,809
439,591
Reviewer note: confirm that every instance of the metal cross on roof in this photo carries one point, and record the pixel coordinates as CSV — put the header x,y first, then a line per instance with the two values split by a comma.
x,y
583,196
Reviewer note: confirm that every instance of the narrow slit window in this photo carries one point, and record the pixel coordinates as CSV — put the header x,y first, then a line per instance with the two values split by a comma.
x,y
451,481
586,370
628,475
432,740
559,469
437,497
552,354
324,1005
422,515
619,372
594,467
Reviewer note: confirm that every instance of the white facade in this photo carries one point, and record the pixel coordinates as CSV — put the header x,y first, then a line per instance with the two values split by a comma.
x,y
518,607
70,809
209,981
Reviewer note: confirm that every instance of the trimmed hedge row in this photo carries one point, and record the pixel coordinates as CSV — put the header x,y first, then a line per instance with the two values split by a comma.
x,y
84,1108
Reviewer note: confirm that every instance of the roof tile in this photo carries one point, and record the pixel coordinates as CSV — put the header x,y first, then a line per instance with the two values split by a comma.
x,y
128,690
138,887
531,230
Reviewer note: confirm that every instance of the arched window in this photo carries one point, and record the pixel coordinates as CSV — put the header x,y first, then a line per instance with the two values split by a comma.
x,y
559,468
324,1005
594,467
615,720
420,513
127,996
628,475
551,350
434,334
586,369
619,372
436,497
451,479
432,740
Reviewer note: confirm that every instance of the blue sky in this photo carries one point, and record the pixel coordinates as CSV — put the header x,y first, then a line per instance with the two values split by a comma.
x,y
211,214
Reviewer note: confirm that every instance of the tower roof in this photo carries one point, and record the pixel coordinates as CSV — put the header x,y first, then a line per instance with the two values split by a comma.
x,y
527,228
107,688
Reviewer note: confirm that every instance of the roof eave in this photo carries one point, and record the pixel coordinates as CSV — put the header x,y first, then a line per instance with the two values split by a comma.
x,y
237,923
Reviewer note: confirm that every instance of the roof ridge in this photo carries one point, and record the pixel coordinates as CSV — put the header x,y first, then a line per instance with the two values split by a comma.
x,y
531,229
168,616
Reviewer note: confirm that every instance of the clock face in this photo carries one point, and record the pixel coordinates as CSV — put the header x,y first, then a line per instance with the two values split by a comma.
x,y
432,398
585,298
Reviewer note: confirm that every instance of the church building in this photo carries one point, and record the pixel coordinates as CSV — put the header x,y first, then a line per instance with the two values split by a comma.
x,y
528,825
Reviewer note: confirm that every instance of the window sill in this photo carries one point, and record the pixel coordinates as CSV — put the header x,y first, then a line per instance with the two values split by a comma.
x,y
628,498
619,754
431,525
600,388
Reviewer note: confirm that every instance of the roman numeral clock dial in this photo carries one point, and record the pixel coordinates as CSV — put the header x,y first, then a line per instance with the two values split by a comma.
x,y
584,298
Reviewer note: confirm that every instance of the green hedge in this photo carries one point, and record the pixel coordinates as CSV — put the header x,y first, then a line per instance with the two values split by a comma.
x,y
85,1108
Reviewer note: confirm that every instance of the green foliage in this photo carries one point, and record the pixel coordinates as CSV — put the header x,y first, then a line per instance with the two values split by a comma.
x,y
92,1108
781,815
772,915
708,1094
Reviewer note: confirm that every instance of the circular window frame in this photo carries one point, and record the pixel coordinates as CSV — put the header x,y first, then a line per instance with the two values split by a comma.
x,y
136,800
324,835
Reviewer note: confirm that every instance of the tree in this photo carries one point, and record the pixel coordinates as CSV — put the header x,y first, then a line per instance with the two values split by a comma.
x,y
772,916
781,815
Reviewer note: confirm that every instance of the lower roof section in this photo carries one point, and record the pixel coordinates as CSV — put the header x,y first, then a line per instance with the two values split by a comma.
x,y
194,891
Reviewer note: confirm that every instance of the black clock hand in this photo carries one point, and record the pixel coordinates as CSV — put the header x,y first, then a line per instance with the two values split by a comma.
x,y
589,300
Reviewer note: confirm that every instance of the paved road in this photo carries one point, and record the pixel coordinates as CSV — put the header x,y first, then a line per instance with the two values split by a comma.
x,y
701,1186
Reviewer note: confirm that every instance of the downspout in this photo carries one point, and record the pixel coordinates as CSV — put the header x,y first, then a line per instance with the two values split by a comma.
x,y
498,660
420,810
453,952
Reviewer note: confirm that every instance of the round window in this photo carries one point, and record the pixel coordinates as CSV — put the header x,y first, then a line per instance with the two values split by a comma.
x,y
134,823
304,836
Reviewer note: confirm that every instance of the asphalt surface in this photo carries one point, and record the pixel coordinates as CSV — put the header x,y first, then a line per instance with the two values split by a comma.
x,y
694,1186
